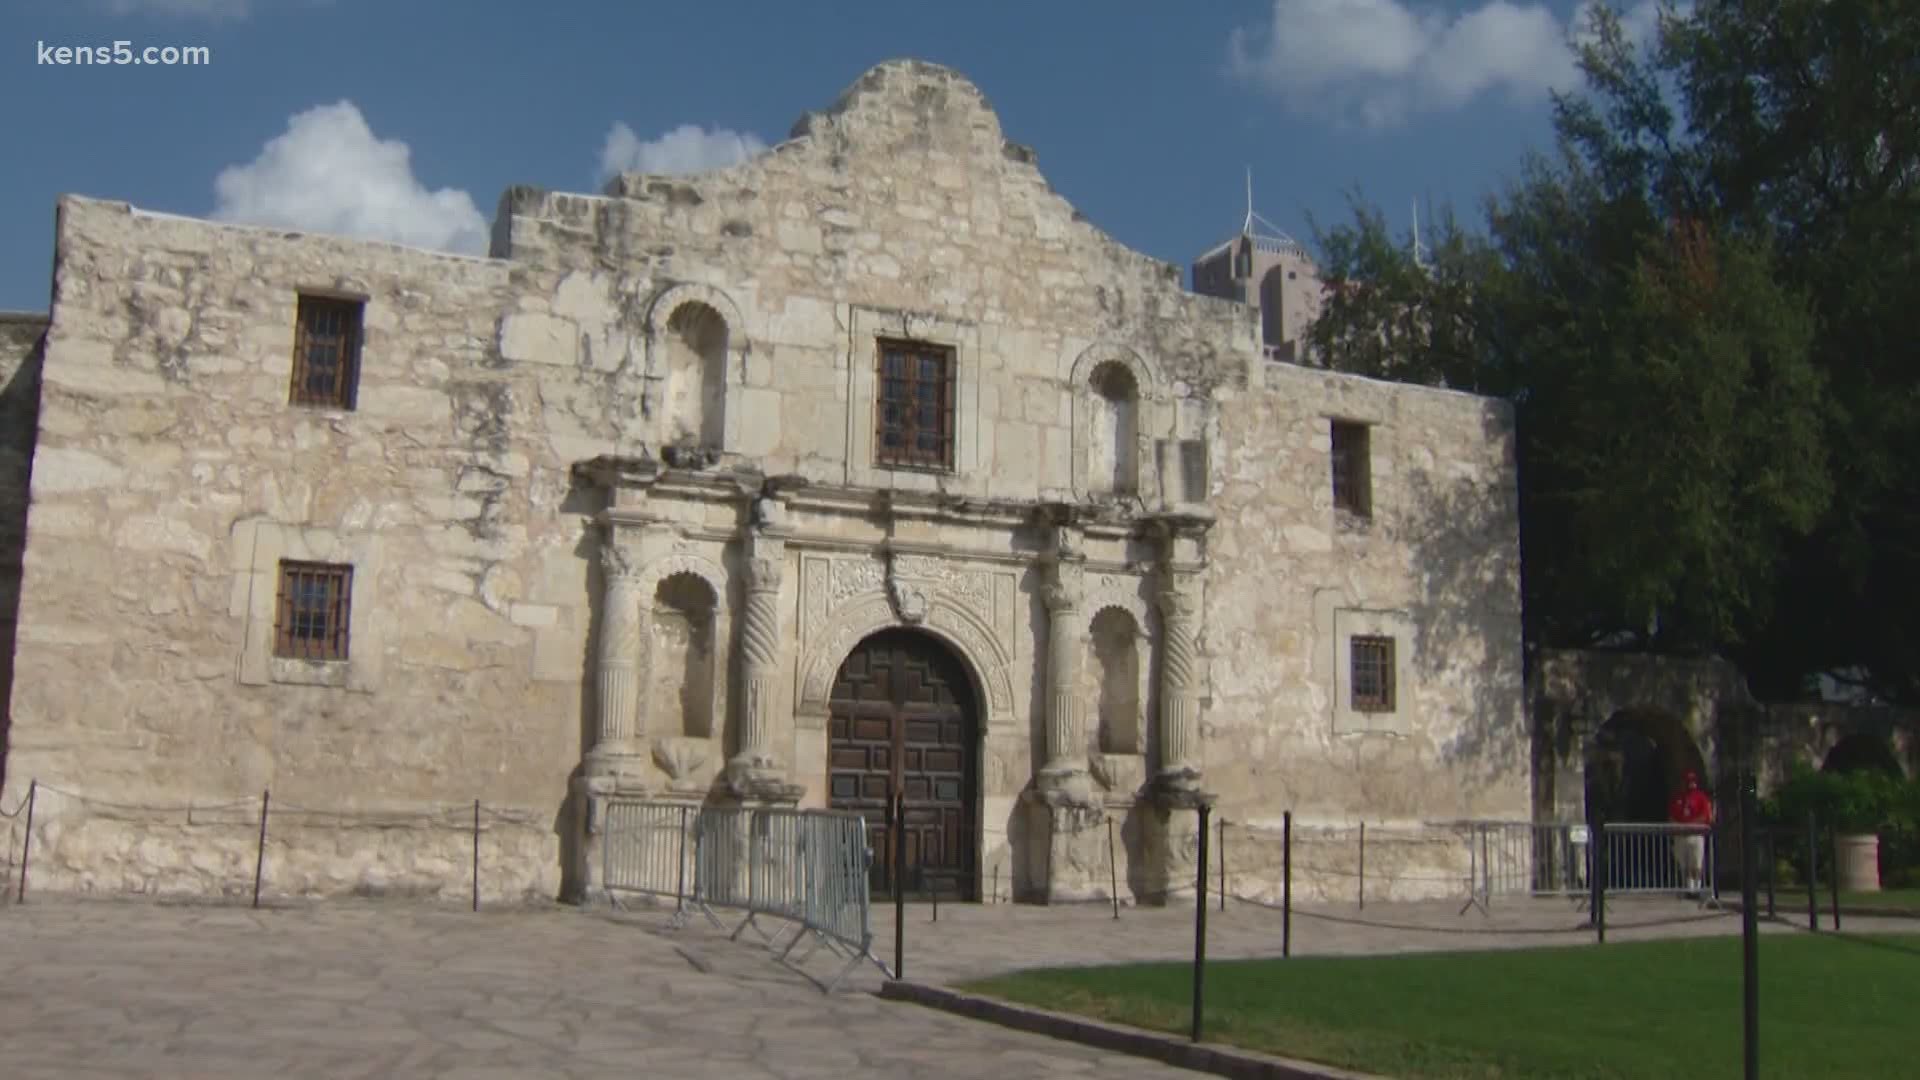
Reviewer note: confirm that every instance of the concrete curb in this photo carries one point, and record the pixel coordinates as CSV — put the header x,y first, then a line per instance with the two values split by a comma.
x,y
1786,912
1204,1057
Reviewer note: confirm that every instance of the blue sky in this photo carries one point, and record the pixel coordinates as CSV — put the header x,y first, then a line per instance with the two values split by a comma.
x,y
406,119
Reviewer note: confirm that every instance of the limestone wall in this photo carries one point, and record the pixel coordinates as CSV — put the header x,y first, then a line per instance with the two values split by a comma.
x,y
724,325
903,210
1291,580
170,475
20,355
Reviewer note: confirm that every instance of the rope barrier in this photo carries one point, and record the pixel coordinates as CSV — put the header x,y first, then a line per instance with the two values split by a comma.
x,y
453,816
1483,931
188,808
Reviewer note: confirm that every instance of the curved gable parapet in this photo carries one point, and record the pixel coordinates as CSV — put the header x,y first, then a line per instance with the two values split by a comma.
x,y
940,98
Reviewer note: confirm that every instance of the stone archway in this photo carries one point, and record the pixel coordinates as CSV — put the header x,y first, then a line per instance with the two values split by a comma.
x,y
903,716
1636,764
1863,751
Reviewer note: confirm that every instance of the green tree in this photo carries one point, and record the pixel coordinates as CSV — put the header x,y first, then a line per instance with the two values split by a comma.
x,y
1805,121
1670,418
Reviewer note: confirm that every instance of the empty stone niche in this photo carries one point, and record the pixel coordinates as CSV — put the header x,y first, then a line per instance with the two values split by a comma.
x,y
681,685
696,376
1112,689
1113,458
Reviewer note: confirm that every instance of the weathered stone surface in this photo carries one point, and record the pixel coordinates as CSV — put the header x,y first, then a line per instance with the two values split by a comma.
x,y
711,343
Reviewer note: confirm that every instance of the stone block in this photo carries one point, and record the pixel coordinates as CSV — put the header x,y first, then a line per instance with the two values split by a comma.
x,y
533,338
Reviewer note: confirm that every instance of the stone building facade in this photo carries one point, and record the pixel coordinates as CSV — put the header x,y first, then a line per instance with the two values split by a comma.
x,y
865,465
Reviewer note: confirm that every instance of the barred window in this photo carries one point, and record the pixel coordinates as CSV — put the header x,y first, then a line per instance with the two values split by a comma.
x,y
1372,679
914,420
311,615
326,352
1352,469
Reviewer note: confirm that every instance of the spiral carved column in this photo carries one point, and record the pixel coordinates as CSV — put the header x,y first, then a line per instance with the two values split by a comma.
x,y
755,770
1179,687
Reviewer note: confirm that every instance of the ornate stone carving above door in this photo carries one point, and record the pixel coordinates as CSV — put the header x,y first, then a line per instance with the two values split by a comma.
x,y
846,597
829,583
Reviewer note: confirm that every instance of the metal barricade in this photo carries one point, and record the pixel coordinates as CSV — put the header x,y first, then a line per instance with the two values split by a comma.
x,y
644,849
807,868
1525,858
722,875
1657,859
777,864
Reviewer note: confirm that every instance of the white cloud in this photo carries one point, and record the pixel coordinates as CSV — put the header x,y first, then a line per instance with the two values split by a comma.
x,y
329,173
1379,61
685,149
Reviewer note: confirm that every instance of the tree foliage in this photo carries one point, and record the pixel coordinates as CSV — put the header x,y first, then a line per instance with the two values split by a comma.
x,y
1704,304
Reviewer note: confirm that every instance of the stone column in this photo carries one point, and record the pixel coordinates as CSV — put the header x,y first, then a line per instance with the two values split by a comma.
x,y
1179,732
755,771
1065,778
621,627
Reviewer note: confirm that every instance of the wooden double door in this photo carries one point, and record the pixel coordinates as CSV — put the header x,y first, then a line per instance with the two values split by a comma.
x,y
901,718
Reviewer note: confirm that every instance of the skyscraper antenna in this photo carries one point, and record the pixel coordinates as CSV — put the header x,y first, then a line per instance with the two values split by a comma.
x,y
1259,228
1419,256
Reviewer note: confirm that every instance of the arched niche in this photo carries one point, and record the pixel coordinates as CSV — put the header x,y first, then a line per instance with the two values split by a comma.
x,y
1114,678
696,357
683,648
684,623
1119,408
1113,442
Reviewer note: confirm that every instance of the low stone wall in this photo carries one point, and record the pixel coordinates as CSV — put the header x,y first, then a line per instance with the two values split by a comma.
x,y
86,845
1401,862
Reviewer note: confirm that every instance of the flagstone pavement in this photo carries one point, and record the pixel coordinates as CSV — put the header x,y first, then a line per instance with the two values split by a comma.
x,y
98,988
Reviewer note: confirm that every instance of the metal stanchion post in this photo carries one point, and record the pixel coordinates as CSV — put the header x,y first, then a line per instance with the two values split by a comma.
x,y
899,884
1599,883
26,842
680,878
1773,860
1286,883
476,854
1113,872
1200,926
1833,884
260,856
1813,875
1749,929
1363,866
1221,854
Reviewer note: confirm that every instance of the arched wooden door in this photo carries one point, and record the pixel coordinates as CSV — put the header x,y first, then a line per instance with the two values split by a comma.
x,y
901,718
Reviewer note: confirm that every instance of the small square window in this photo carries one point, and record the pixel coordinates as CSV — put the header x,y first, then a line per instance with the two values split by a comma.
x,y
1352,469
1371,661
326,352
312,611
913,422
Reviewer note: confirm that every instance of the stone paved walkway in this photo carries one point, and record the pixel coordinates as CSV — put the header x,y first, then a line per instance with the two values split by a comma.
x,y
104,989
123,989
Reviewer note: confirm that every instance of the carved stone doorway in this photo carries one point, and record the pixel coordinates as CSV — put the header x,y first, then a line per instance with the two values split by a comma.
x,y
902,717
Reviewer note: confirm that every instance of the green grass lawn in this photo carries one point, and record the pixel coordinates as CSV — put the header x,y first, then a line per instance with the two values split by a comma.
x,y
1830,1007
1793,898
1905,899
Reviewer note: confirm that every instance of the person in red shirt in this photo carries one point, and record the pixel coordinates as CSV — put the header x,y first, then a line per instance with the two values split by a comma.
x,y
1691,807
